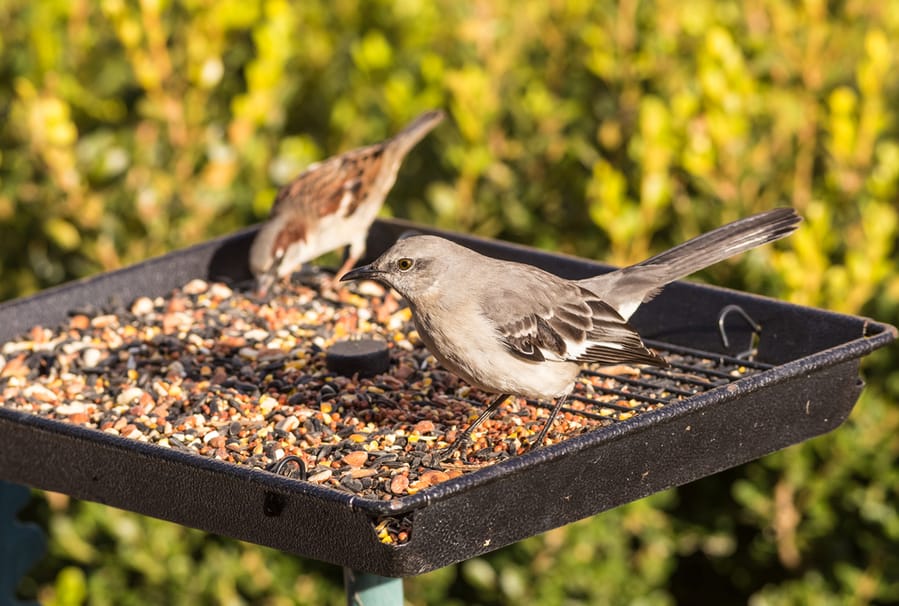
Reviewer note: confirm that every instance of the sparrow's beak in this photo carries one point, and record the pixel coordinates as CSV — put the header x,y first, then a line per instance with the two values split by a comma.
x,y
366,272
265,281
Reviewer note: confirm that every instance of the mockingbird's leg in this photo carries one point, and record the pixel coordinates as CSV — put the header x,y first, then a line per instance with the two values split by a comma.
x,y
466,435
549,422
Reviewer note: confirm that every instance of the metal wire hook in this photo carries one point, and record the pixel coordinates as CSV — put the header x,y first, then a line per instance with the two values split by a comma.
x,y
749,353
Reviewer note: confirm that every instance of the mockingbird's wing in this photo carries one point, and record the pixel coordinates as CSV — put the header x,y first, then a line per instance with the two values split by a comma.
x,y
547,318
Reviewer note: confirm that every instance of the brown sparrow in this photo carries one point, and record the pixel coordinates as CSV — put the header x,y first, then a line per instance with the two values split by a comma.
x,y
332,204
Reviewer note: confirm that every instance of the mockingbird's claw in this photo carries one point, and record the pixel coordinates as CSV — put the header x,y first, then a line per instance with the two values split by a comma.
x,y
445,453
532,445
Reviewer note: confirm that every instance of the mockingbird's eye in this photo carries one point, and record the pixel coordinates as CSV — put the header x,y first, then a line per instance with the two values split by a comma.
x,y
404,264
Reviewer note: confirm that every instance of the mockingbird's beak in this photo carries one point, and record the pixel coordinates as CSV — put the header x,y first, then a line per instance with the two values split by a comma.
x,y
366,272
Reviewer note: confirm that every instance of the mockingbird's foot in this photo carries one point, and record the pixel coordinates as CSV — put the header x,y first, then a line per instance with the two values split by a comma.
x,y
445,453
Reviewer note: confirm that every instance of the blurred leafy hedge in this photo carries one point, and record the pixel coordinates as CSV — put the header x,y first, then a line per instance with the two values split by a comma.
x,y
608,130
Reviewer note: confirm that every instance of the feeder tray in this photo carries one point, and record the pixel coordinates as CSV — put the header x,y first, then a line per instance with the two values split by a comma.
x,y
714,409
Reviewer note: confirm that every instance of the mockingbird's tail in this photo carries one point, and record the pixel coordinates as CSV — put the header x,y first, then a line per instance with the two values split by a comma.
x,y
627,288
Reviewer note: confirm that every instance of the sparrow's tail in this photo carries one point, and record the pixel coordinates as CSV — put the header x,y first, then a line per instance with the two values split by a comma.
x,y
627,288
416,130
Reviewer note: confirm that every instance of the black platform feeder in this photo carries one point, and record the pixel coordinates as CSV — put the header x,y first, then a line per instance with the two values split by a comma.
x,y
804,382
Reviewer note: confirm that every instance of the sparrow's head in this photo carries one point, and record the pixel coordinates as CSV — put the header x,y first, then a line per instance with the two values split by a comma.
x,y
415,266
276,239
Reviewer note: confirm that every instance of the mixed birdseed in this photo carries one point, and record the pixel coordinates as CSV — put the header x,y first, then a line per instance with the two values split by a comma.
x,y
229,375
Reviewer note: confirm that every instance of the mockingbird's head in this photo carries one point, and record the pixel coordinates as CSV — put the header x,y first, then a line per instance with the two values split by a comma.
x,y
415,265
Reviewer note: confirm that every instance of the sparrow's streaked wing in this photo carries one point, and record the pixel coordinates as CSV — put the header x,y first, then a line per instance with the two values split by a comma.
x,y
335,186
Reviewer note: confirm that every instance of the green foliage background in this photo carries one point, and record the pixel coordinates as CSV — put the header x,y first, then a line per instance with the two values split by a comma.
x,y
607,130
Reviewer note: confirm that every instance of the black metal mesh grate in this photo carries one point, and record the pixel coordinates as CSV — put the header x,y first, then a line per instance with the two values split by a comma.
x,y
619,393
